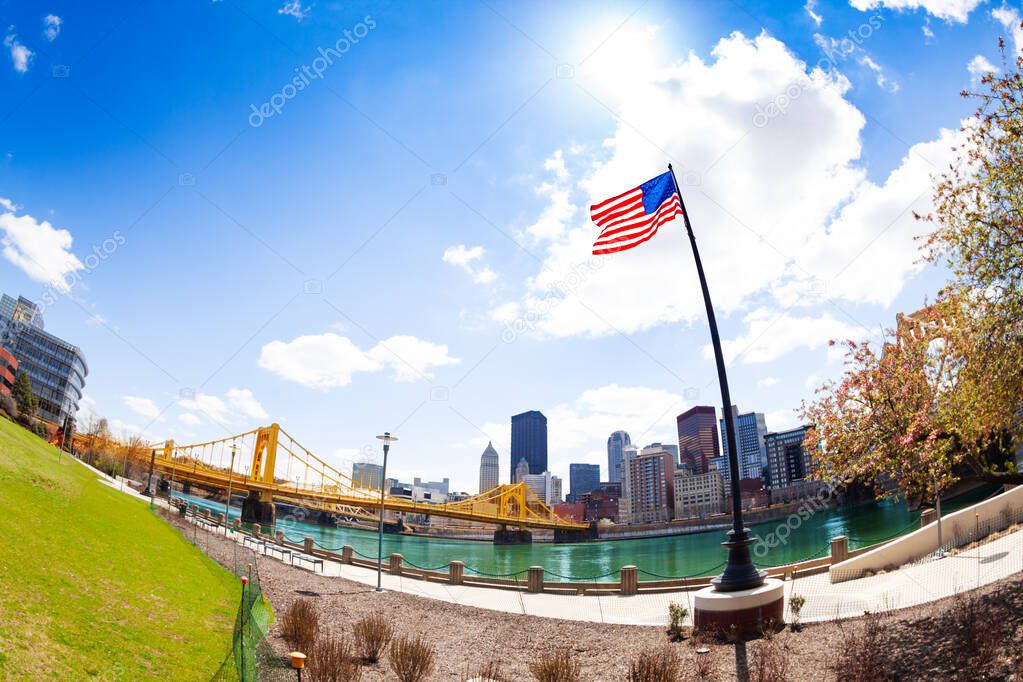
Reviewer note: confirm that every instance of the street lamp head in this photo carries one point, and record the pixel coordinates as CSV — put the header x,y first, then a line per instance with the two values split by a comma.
x,y
387,437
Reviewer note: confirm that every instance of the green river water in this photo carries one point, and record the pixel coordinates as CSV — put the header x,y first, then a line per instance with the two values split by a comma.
x,y
697,554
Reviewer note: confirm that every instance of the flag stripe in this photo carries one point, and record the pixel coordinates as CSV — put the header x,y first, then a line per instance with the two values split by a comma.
x,y
602,205
630,218
671,204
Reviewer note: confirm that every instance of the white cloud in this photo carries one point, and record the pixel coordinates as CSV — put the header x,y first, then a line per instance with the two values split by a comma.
x,y
810,7
20,55
40,250
1010,19
8,205
95,320
979,67
52,24
767,382
470,259
880,78
189,419
211,406
141,406
760,226
295,9
325,361
949,10
781,420
770,335
241,401
553,221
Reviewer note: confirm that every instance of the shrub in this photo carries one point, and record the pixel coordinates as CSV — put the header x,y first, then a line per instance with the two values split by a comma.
x,y
25,419
980,640
557,666
371,636
411,658
332,660
703,666
769,661
677,614
40,429
300,625
796,603
862,653
660,665
8,405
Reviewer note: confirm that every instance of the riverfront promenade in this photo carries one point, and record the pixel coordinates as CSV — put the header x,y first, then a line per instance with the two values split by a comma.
x,y
911,585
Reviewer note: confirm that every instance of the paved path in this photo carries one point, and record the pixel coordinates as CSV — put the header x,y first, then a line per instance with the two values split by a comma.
x,y
911,585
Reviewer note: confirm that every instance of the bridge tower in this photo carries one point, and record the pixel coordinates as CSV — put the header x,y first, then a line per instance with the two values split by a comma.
x,y
259,506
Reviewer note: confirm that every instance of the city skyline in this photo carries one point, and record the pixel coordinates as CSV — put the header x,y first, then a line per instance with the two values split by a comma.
x,y
163,232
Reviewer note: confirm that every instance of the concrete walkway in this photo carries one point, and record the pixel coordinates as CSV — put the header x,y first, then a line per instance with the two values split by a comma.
x,y
909,586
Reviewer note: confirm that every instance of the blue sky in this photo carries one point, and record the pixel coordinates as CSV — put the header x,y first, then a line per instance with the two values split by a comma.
x,y
403,244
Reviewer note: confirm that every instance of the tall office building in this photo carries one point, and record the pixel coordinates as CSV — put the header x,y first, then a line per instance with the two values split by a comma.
x,y
529,441
698,438
615,444
543,486
56,369
787,460
8,371
750,430
520,472
650,481
582,478
670,448
490,469
367,474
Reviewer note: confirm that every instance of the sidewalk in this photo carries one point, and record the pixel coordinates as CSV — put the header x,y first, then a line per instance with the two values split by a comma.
x,y
909,586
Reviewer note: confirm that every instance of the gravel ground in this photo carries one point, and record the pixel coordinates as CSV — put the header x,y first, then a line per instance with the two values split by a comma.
x,y
978,638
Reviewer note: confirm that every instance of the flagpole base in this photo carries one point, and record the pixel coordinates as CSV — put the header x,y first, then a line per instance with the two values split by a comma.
x,y
741,614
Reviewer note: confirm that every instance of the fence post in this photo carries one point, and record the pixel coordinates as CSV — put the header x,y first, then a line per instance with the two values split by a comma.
x,y
394,566
928,516
456,570
257,530
629,580
535,581
839,549
346,554
236,524
308,542
220,519
279,536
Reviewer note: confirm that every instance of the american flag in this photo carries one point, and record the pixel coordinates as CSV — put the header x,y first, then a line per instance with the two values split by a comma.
x,y
633,217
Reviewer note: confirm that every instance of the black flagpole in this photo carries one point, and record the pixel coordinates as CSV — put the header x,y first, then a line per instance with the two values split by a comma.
x,y
739,573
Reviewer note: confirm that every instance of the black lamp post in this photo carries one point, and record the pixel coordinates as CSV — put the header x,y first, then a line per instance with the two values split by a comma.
x,y
388,439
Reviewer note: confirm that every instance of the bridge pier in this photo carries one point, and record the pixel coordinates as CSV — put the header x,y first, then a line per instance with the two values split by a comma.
x,y
515,536
257,510
574,535
325,518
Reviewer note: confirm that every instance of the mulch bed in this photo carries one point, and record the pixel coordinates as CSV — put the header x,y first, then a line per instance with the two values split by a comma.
x,y
977,636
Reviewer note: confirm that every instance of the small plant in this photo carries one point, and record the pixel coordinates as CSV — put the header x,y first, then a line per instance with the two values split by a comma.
x,y
796,603
862,655
769,661
300,625
660,665
411,658
371,636
677,615
484,672
703,666
557,666
331,660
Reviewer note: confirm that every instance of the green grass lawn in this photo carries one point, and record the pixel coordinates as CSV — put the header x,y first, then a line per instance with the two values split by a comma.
x,y
93,584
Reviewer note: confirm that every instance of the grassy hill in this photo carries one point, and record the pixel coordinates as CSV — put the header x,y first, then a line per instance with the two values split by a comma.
x,y
95,585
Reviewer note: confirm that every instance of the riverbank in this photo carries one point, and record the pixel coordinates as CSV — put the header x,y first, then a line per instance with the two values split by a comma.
x,y
93,583
925,642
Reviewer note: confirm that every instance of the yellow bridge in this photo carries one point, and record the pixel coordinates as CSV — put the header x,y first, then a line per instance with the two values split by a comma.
x,y
271,466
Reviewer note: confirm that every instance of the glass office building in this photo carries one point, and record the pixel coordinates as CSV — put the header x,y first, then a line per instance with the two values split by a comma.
x,y
55,368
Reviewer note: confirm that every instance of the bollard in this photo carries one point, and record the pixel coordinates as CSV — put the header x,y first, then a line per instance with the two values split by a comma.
x,y
394,565
257,530
205,513
535,582
456,571
629,580
236,524
279,536
928,516
346,554
839,549
308,545
220,519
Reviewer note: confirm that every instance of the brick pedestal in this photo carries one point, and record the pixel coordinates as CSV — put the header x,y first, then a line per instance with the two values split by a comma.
x,y
746,612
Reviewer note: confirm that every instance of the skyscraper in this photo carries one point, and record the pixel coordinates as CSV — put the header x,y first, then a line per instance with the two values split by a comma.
x,y
529,441
367,474
788,461
650,480
490,469
56,369
750,430
520,472
698,437
582,478
615,443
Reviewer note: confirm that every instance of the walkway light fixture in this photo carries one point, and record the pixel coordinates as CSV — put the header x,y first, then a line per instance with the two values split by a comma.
x,y
297,662
388,439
